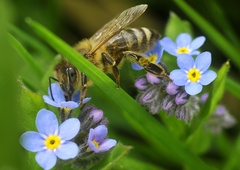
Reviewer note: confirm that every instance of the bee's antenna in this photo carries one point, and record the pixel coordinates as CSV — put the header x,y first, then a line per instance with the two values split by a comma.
x,y
49,80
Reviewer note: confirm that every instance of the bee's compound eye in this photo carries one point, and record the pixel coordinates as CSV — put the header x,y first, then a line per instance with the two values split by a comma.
x,y
71,72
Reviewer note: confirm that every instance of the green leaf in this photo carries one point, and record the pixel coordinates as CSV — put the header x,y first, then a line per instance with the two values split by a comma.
x,y
118,159
112,160
29,105
175,26
216,92
145,125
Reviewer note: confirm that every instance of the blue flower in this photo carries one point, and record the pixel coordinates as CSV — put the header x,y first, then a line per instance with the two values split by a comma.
x,y
193,74
184,45
154,56
57,98
97,141
52,141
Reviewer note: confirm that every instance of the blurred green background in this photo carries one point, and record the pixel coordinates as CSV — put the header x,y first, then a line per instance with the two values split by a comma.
x,y
73,20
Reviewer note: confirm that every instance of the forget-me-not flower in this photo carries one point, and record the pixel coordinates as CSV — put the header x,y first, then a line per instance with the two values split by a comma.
x,y
193,74
154,56
51,141
57,98
184,44
97,141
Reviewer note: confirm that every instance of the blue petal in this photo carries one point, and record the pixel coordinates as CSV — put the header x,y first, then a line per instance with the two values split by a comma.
x,y
197,43
87,99
203,61
208,77
76,97
92,146
67,150
106,145
194,53
193,88
69,128
179,77
46,122
91,135
183,40
136,66
49,101
32,141
69,104
159,55
46,159
100,133
56,92
185,62
168,45
157,50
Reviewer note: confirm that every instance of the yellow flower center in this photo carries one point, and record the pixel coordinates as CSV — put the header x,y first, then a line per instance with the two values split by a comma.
x,y
194,75
152,58
66,110
96,143
183,50
53,142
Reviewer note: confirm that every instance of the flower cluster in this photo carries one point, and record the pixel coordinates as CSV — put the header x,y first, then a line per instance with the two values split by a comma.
x,y
176,97
220,119
76,139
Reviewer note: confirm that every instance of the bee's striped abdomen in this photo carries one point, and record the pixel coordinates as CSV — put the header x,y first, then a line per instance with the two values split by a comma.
x,y
134,39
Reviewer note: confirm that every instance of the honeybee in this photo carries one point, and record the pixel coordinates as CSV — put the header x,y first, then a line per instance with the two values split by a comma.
x,y
107,48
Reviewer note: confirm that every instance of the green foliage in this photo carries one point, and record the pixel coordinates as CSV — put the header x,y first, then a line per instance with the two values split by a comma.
x,y
168,143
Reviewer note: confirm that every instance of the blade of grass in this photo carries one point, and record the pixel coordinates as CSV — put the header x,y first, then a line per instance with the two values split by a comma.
x,y
26,56
151,130
220,18
25,38
233,159
216,92
217,38
233,87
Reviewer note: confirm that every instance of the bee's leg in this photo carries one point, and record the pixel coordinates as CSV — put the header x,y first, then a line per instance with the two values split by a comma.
x,y
83,93
142,60
115,70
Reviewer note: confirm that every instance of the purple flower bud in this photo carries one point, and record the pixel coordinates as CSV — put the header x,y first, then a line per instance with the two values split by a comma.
x,y
141,83
220,110
219,120
172,89
181,115
181,98
96,114
204,97
147,98
152,78
167,104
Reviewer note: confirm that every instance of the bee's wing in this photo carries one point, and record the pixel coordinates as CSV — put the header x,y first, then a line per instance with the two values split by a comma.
x,y
113,27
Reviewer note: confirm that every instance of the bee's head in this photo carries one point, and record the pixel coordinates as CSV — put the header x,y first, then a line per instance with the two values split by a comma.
x,y
68,77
